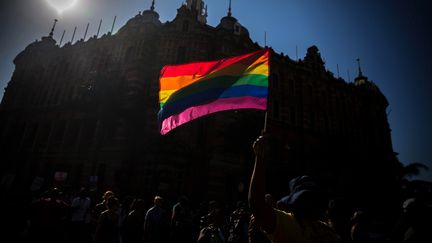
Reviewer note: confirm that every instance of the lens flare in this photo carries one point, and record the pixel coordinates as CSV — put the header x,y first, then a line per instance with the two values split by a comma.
x,y
62,5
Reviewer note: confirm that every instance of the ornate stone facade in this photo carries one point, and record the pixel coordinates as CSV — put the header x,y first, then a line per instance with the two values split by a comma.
x,y
90,109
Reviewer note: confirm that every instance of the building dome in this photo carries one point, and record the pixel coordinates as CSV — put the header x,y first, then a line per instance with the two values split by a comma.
x,y
231,24
148,16
227,23
40,47
151,16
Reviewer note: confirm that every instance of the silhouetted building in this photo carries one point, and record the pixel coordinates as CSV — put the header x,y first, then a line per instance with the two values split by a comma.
x,y
86,113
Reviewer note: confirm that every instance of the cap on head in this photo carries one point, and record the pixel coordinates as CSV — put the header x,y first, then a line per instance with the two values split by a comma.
x,y
158,200
306,198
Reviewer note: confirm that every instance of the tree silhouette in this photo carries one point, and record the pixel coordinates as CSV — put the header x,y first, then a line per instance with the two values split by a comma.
x,y
412,169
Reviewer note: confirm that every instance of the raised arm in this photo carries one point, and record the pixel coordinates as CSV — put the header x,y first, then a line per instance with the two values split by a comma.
x,y
264,215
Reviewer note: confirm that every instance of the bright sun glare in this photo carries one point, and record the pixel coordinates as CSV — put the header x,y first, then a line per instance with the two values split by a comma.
x,y
62,5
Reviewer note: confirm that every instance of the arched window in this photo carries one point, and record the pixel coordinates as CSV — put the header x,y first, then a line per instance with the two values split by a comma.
x,y
58,133
129,54
291,86
181,54
293,117
185,27
276,109
275,80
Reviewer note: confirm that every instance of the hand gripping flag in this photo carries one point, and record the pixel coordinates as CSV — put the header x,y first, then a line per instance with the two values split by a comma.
x,y
190,91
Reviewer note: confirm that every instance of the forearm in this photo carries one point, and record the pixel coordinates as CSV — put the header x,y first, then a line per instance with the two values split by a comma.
x,y
257,188
263,213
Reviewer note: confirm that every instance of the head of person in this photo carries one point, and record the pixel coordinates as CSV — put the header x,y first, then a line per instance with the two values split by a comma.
x,y
215,217
282,204
138,204
359,217
213,204
107,195
269,200
306,199
241,207
83,192
158,201
183,200
55,193
414,209
112,203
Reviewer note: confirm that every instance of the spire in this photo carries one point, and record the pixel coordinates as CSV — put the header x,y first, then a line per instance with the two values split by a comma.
x,y
359,68
360,79
61,39
152,6
52,29
205,13
229,9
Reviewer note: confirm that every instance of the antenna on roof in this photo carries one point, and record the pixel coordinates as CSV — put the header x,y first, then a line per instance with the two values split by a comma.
x,y
85,33
297,53
349,77
112,27
152,6
100,23
73,35
359,67
61,40
265,38
52,29
337,67
229,9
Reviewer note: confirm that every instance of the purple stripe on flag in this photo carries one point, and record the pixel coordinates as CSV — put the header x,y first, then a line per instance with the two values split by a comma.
x,y
245,102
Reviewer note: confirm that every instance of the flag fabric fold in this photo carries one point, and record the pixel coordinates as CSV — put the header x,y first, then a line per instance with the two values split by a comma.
x,y
189,91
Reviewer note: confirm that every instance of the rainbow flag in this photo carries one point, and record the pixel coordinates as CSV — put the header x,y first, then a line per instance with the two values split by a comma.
x,y
193,90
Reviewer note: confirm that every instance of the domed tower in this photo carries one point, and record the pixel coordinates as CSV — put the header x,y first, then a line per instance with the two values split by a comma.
x,y
313,59
29,66
150,15
45,45
199,8
231,24
142,21
360,79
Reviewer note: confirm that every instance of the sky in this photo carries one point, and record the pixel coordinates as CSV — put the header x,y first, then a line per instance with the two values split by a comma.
x,y
391,37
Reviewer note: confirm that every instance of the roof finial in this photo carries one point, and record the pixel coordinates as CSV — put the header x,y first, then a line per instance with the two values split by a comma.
x,y
52,29
152,6
359,67
229,9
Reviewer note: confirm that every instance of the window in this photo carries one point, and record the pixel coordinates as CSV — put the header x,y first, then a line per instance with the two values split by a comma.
x,y
185,27
275,80
88,132
72,133
30,135
293,115
14,134
56,96
291,87
43,135
129,54
58,132
181,54
275,109
312,120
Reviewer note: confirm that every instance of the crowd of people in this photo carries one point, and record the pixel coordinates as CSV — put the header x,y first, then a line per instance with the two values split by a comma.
x,y
305,215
